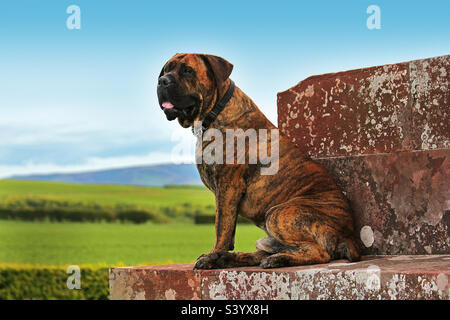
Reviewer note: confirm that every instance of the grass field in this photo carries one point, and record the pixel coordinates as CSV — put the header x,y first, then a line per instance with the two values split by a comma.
x,y
49,243
59,243
147,197
34,254
37,200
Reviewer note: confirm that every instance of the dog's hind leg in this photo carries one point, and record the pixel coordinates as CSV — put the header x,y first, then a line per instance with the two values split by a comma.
x,y
310,229
305,253
348,249
269,245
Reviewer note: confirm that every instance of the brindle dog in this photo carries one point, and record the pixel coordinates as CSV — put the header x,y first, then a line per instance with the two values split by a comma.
x,y
305,215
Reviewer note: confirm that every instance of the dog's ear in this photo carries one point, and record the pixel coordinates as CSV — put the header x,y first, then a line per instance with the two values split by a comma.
x,y
220,67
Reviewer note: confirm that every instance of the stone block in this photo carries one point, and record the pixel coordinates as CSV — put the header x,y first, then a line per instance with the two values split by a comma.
x,y
382,109
399,199
384,134
386,278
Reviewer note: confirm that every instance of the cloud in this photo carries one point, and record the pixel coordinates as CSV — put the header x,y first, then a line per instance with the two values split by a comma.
x,y
179,148
70,124
67,140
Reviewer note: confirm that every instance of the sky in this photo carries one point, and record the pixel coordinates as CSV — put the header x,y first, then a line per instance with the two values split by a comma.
x,y
85,99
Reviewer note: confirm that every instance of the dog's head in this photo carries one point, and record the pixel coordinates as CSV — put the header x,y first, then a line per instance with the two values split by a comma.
x,y
189,84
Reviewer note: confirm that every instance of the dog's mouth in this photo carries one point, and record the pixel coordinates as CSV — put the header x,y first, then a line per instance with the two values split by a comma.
x,y
185,110
169,110
167,105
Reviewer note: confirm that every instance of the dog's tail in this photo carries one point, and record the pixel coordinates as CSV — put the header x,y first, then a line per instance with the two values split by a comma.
x,y
348,248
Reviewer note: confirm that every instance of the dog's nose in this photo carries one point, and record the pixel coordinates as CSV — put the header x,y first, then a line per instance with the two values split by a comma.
x,y
164,81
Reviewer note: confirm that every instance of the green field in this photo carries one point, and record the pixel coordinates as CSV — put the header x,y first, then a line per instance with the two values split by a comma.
x,y
147,197
35,250
58,243
32,200
49,243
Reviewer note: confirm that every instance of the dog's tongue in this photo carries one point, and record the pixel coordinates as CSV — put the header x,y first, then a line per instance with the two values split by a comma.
x,y
167,105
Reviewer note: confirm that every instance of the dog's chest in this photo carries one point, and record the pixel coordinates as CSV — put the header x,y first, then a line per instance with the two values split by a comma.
x,y
207,174
208,171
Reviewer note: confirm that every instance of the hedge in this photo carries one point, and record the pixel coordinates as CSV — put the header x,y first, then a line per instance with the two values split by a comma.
x,y
29,282
210,219
56,210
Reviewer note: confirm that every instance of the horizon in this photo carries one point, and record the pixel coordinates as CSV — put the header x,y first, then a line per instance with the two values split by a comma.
x,y
84,100
94,170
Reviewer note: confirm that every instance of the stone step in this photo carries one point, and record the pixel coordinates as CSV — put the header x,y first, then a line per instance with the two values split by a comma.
x,y
400,200
398,107
375,277
384,134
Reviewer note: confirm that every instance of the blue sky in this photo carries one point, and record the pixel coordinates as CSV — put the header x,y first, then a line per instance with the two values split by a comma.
x,y
74,100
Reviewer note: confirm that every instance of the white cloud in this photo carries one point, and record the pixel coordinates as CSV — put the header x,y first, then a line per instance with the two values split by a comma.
x,y
28,126
26,142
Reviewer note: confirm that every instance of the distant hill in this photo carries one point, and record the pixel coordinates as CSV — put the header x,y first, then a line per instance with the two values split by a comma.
x,y
155,175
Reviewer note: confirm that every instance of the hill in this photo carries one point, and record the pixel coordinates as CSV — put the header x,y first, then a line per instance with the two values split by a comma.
x,y
155,175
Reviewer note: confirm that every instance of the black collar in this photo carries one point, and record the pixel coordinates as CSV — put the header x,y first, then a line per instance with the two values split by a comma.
x,y
217,109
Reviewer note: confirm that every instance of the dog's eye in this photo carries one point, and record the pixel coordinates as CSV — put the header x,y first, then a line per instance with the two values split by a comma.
x,y
188,70
169,67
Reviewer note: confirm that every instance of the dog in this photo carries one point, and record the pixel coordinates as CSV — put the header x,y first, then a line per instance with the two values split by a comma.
x,y
305,215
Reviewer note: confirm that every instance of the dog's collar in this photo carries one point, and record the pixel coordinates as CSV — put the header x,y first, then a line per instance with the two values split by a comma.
x,y
215,111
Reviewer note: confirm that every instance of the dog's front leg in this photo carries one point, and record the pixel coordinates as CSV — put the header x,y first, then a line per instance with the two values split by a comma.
x,y
226,217
228,197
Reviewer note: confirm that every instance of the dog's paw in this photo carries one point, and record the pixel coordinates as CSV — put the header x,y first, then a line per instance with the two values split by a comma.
x,y
274,261
201,256
215,260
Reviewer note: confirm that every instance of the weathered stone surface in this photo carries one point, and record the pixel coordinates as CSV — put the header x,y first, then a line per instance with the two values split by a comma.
x,y
251,284
402,197
430,102
397,107
376,277
384,133
169,282
348,113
